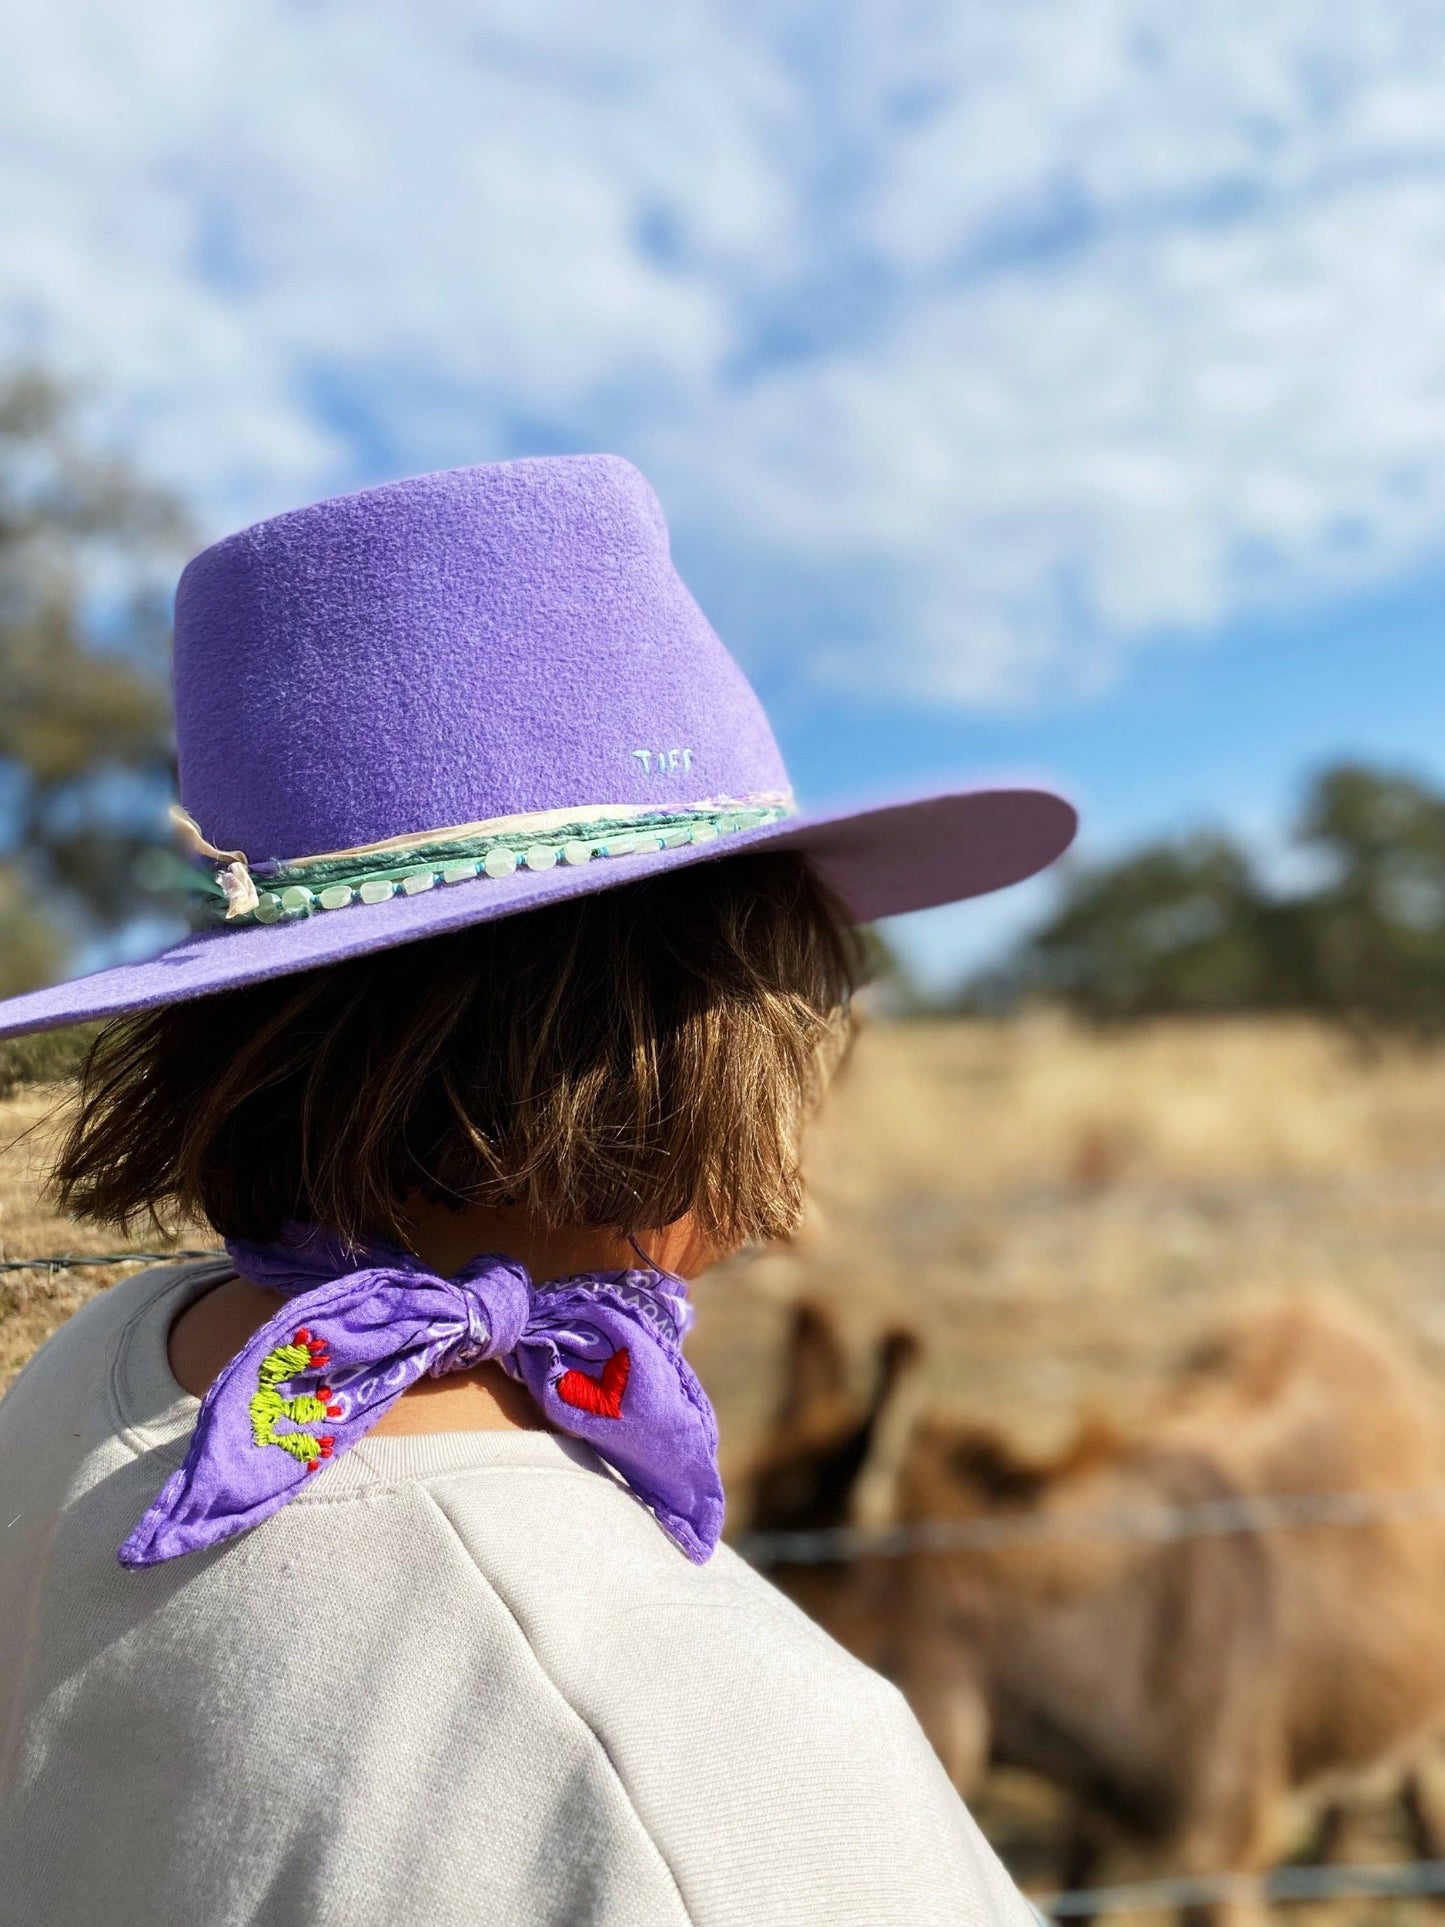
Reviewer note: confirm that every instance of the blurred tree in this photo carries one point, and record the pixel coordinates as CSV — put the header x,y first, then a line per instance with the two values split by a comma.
x,y
84,734
1189,927
1377,928
1171,928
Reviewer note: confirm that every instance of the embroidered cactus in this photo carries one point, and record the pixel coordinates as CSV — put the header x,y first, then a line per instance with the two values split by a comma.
x,y
278,1368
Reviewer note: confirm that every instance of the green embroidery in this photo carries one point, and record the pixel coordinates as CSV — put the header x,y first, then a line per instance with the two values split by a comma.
x,y
278,1367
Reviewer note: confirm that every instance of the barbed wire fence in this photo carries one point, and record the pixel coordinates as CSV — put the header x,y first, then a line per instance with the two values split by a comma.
x,y
1394,1880
1162,1524
81,1260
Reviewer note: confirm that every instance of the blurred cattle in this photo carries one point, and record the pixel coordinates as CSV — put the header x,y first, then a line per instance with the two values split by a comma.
x,y
1178,1689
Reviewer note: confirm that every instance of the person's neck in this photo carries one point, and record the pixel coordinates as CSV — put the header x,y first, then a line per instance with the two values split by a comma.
x,y
445,1240
209,1332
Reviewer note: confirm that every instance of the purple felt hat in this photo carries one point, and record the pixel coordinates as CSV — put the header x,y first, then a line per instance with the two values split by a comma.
x,y
472,693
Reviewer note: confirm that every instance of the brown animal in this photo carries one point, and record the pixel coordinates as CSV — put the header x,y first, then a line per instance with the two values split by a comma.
x,y
1177,1688
834,1460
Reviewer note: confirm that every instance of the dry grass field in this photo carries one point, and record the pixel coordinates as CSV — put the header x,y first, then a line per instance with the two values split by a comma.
x,y
1055,1211
33,1303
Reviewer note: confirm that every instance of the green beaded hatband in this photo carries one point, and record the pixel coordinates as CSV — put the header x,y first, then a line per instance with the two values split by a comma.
x,y
225,888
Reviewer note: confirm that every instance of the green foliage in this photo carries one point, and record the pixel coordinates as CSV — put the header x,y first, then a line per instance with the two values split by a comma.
x,y
1377,931
85,548
1190,927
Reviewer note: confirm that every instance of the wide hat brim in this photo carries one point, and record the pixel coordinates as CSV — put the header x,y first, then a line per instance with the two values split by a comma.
x,y
881,862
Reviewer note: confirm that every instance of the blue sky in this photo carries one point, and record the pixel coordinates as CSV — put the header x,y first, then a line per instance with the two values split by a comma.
x,y
1041,386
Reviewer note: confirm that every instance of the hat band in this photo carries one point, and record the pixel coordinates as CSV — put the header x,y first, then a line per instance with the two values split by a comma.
x,y
229,889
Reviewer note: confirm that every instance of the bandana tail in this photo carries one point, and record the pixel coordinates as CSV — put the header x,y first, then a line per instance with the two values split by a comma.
x,y
268,1421
658,1433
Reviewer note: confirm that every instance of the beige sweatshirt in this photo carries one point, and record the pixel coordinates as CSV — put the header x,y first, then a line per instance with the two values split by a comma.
x,y
462,1680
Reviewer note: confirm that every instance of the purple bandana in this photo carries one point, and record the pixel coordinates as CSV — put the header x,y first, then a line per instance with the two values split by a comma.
x,y
599,1353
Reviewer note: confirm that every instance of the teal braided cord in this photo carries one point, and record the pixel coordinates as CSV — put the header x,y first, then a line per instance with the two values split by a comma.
x,y
315,873
318,871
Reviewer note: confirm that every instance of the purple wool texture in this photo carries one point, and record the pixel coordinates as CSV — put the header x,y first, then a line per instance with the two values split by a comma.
x,y
600,1354
466,645
490,642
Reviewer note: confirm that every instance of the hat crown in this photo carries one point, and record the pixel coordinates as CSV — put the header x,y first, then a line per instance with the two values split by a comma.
x,y
482,642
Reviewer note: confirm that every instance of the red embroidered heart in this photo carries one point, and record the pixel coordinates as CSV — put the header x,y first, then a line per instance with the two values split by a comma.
x,y
602,1396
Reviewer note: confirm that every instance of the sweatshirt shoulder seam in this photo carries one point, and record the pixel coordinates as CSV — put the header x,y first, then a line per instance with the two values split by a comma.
x,y
596,1737
406,1483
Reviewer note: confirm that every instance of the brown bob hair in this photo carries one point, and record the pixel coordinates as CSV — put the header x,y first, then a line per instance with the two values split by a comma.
x,y
614,1061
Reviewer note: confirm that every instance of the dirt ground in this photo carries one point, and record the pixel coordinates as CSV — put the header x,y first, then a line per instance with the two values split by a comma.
x,y
1055,1211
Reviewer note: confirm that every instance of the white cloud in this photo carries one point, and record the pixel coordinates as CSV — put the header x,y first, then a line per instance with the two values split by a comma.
x,y
1077,324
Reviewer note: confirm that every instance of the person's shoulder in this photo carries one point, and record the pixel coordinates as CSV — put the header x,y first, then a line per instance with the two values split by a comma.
x,y
587,1570
779,1776
85,1345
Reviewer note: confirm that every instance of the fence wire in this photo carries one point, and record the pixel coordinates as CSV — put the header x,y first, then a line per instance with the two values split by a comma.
x,y
1398,1880
1161,1524
79,1260
835,1545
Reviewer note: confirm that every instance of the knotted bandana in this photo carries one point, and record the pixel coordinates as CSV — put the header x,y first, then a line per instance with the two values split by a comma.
x,y
600,1354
